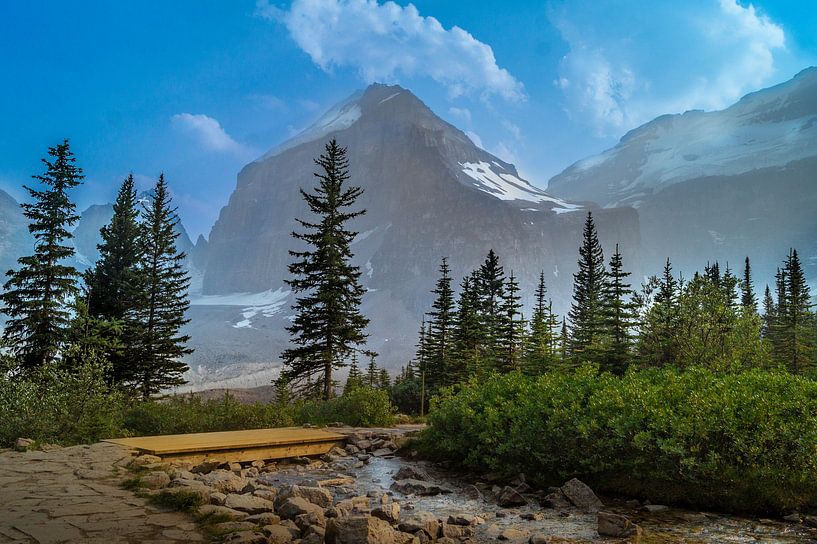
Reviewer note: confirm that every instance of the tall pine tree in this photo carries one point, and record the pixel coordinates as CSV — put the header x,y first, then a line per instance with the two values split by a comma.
x,y
161,312
468,332
511,339
748,299
115,284
440,337
491,284
541,346
619,311
38,293
586,313
797,341
328,323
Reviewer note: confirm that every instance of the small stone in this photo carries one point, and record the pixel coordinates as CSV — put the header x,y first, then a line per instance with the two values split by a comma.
x,y
209,510
654,508
510,497
410,472
248,503
246,537
233,526
465,520
24,444
224,481
418,487
616,525
511,534
456,531
144,460
264,518
217,498
205,467
278,534
155,480
349,506
533,516
388,512
421,521
295,506
359,530
382,452
315,495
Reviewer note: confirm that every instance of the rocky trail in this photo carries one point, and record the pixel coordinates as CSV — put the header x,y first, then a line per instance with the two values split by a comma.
x,y
363,493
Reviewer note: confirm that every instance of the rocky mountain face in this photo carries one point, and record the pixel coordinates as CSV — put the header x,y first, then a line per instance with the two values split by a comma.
x,y
429,193
716,185
15,240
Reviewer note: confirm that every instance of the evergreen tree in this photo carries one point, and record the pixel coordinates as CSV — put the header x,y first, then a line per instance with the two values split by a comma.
x,y
90,338
777,320
586,313
619,311
769,311
658,342
328,324
469,337
372,373
383,380
161,312
748,299
37,294
440,331
491,283
283,392
564,343
511,341
355,378
797,340
115,284
541,352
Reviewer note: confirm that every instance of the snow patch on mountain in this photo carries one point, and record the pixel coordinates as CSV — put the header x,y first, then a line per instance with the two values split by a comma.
x,y
494,179
341,117
266,303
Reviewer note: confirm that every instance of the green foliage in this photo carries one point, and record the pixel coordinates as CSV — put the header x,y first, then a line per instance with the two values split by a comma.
x,y
742,441
179,414
183,501
36,295
60,406
587,312
405,395
361,407
328,324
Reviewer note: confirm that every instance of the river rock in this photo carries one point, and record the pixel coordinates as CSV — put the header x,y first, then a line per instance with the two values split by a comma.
x,y
616,525
224,481
310,519
511,533
580,494
315,495
156,479
24,444
278,534
417,487
246,537
652,508
421,521
411,472
557,499
221,511
509,496
265,518
353,505
465,520
248,503
359,530
217,498
456,531
295,506
389,512
205,466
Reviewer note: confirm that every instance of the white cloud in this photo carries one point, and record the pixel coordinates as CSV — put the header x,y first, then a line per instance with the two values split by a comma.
x,y
706,60
385,42
462,113
209,133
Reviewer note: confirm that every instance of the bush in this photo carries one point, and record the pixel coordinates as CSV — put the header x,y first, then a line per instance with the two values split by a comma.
x,y
359,407
742,442
180,414
59,406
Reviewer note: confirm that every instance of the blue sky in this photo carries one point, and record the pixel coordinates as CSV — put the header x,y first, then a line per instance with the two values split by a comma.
x,y
199,89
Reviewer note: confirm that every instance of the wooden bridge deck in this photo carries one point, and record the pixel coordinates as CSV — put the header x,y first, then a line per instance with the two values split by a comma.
x,y
236,446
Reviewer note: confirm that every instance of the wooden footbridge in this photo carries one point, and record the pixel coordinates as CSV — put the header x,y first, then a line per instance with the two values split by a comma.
x,y
236,446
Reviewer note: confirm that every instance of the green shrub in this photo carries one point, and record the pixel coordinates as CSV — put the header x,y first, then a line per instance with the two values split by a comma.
x,y
58,406
359,407
742,442
180,414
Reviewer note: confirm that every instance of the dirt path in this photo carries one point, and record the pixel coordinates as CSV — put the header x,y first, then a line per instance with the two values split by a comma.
x,y
74,495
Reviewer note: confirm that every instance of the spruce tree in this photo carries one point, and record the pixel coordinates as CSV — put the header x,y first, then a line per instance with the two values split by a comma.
x,y
541,353
372,373
586,312
355,378
491,284
440,339
115,283
160,313
769,311
383,380
748,299
38,293
511,341
469,335
797,340
658,342
328,323
619,312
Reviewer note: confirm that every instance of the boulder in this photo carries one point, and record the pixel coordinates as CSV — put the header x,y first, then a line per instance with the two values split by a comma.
x,y
465,520
510,497
353,505
421,521
557,499
233,527
389,512
652,508
616,525
295,506
456,531
581,496
411,472
418,487
278,534
205,466
533,516
315,518
156,479
223,481
511,533
382,452
248,503
359,530
217,498
315,495
265,518
24,444
221,511
246,537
